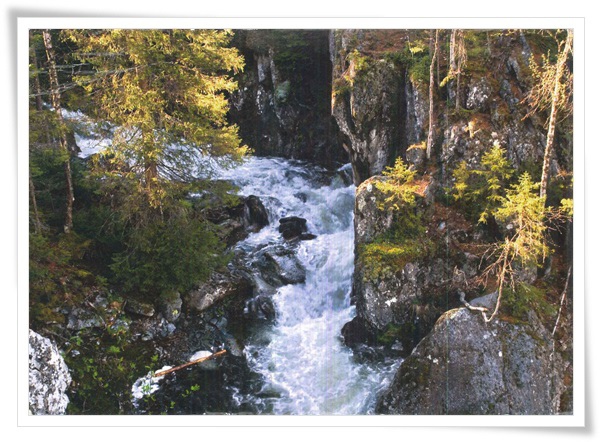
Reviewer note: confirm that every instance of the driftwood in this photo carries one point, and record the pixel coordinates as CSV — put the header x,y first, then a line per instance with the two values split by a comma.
x,y
187,364
469,306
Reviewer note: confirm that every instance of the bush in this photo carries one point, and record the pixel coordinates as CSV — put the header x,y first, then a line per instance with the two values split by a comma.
x,y
166,255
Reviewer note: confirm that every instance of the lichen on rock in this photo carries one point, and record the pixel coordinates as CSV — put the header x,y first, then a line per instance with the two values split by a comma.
x,y
467,366
49,377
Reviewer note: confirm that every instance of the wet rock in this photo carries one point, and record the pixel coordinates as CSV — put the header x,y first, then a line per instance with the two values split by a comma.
x,y
255,214
467,366
301,196
282,105
279,266
220,286
367,120
307,236
237,221
260,308
139,308
49,377
292,227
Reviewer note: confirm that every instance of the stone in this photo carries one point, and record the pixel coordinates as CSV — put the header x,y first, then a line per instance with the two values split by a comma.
x,y
369,220
139,308
255,214
49,377
283,102
478,95
292,227
80,318
260,307
279,266
467,366
416,157
171,307
220,286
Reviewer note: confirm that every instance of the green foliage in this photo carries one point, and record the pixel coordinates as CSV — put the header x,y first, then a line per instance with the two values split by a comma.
x,y
566,206
54,277
104,366
361,62
524,297
398,187
525,210
419,69
388,255
168,253
405,241
292,50
165,93
480,189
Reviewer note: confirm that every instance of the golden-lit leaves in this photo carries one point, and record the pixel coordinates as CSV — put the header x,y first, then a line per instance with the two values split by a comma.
x,y
162,90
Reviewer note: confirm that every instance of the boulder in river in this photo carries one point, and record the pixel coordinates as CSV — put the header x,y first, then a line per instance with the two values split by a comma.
x,y
255,214
279,266
292,227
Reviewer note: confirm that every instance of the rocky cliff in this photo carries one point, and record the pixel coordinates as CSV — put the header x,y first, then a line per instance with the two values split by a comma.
x,y
282,106
403,282
380,100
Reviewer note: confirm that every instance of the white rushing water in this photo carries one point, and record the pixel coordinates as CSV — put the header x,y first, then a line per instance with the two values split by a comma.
x,y
305,366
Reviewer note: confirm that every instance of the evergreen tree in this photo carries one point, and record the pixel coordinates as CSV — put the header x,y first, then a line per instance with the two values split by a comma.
x,y
164,92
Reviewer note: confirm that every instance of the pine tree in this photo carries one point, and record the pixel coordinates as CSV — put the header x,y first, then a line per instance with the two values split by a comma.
x,y
164,92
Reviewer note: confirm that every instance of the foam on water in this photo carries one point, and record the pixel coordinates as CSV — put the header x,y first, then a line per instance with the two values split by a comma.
x,y
305,366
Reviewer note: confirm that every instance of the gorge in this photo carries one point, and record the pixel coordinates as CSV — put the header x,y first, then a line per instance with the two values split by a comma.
x,y
339,296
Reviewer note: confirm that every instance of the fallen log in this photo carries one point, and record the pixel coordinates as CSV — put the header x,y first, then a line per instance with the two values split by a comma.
x,y
187,364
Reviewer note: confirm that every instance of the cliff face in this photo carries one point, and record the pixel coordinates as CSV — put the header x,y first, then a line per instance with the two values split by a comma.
x,y
282,106
377,108
380,100
381,104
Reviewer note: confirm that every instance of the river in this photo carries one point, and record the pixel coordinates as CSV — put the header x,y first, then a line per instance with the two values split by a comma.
x,y
305,367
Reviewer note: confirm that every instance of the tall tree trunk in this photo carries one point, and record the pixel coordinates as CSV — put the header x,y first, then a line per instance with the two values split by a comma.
x,y
36,81
55,98
457,104
431,93
560,67
36,217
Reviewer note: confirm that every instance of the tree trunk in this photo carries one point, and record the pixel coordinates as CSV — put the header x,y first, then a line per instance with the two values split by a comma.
x,y
36,81
431,93
452,54
36,217
560,67
55,98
